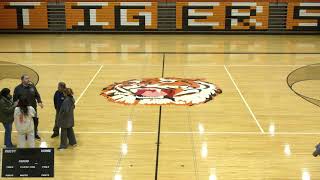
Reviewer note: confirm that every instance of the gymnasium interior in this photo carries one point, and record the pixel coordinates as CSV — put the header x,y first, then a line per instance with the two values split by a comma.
x,y
172,89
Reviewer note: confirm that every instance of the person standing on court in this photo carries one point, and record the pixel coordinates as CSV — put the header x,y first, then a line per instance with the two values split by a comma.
x,y
30,92
66,120
23,118
58,100
6,115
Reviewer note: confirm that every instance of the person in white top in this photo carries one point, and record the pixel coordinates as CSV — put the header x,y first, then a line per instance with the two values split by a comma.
x,y
23,118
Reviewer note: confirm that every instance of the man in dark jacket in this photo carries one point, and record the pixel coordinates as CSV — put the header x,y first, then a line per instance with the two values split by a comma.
x,y
6,115
58,100
27,89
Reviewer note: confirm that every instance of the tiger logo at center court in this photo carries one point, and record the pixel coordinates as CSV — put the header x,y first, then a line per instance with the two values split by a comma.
x,y
161,91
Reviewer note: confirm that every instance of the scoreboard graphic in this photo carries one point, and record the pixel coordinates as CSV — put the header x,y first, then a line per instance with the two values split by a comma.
x,y
161,15
28,162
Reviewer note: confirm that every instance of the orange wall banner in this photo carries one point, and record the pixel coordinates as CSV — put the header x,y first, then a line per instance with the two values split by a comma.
x,y
303,16
111,16
23,15
160,16
207,16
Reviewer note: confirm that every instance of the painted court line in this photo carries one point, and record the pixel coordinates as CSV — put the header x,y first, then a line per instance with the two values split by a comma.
x,y
188,132
108,64
195,132
89,84
103,64
152,52
245,65
266,65
134,64
244,100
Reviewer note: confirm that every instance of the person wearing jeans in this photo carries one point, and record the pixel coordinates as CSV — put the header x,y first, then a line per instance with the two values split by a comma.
x,y
6,115
7,135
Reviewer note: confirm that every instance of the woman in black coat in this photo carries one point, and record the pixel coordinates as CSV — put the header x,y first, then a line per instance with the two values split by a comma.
x,y
6,115
66,120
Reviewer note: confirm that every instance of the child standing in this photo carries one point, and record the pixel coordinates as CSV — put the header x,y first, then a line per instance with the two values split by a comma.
x,y
23,118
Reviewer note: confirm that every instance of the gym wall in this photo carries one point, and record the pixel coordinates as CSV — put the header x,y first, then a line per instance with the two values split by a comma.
x,y
273,16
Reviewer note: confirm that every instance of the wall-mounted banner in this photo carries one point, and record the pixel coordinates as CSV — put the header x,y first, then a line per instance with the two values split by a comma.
x,y
23,15
122,16
162,16
303,16
206,16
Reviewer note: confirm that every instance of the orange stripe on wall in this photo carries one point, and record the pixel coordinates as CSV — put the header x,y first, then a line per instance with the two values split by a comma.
x,y
160,1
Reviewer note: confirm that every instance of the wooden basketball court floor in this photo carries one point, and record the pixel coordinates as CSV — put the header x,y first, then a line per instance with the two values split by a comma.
x,y
256,129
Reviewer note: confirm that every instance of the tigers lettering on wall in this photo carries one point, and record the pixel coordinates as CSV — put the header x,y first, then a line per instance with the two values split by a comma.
x,y
160,15
247,15
206,16
23,15
111,15
303,16
200,16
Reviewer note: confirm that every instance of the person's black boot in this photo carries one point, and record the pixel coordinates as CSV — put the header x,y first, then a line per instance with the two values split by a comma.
x,y
37,137
317,151
61,148
54,135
